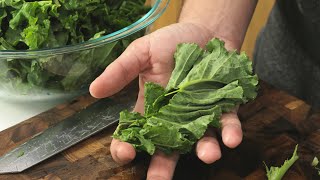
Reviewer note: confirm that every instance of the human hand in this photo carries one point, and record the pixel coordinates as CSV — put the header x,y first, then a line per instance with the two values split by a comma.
x,y
151,58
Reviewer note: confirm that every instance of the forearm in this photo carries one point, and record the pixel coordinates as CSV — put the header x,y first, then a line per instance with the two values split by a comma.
x,y
225,19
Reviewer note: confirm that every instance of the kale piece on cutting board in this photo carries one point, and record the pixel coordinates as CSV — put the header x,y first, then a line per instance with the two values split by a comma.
x,y
276,173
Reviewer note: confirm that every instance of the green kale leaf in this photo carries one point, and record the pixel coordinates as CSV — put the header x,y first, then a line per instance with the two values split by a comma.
x,y
276,173
315,163
203,85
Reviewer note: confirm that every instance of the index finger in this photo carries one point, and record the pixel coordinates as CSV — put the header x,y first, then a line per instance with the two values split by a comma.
x,y
123,70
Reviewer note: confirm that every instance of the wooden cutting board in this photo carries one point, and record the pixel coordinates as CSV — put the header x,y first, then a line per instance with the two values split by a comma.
x,y
273,124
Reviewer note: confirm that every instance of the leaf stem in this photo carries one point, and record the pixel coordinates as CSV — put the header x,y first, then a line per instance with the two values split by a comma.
x,y
173,92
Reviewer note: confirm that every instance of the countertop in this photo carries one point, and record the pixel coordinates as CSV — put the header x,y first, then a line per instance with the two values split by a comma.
x,y
273,124
14,110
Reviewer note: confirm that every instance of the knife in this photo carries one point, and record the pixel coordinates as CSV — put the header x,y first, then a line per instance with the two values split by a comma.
x,y
65,134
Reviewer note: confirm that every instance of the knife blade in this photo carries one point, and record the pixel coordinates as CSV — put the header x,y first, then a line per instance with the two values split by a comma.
x,y
65,134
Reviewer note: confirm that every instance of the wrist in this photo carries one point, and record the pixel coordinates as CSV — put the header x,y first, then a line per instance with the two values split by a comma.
x,y
207,34
225,19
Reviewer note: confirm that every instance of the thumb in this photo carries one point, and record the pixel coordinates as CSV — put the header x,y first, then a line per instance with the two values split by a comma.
x,y
123,70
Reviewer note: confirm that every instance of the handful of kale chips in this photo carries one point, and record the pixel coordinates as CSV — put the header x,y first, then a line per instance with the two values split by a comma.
x,y
204,84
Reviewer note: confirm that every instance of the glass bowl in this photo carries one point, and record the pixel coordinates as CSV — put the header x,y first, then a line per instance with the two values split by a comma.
x,y
74,67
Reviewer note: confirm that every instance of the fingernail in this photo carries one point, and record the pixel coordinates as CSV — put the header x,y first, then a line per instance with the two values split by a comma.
x,y
231,137
124,154
201,153
227,138
209,153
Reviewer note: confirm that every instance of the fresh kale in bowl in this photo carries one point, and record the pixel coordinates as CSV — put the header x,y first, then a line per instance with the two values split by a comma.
x,y
43,24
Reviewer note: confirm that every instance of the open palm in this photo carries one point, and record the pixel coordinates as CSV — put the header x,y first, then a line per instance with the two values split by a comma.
x,y
151,58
